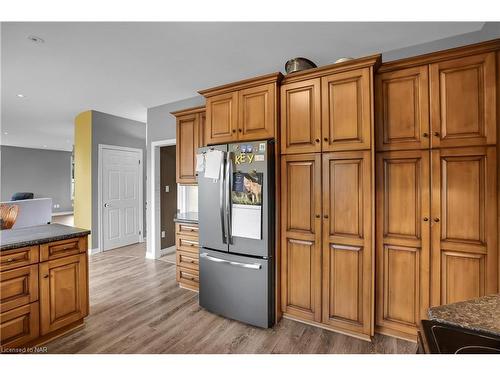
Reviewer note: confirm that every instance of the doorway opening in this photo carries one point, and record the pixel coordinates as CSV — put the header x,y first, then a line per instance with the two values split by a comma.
x,y
168,203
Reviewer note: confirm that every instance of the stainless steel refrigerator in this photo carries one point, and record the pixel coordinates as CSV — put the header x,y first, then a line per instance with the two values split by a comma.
x,y
236,233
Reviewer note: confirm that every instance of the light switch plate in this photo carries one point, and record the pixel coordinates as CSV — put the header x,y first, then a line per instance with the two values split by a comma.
x,y
162,234
167,189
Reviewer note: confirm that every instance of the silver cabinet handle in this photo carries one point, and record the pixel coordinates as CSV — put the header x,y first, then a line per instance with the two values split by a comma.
x,y
253,266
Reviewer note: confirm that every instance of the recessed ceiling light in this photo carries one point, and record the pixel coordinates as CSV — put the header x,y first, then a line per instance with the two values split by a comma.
x,y
20,95
45,146
5,133
36,39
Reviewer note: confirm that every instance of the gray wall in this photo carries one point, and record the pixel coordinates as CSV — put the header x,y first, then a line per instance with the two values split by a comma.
x,y
490,30
46,173
117,131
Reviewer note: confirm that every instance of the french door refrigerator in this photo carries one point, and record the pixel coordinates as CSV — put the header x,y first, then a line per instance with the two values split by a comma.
x,y
237,234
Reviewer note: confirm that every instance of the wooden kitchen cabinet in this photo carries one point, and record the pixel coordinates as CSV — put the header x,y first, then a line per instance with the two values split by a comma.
x,y
18,287
190,135
346,110
63,292
242,111
464,224
402,109
347,244
301,236
403,241
463,101
301,117
187,255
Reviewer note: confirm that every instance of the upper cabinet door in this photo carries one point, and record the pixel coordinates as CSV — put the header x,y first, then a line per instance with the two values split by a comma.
x,y
464,224
256,107
222,118
346,110
463,101
301,117
201,130
347,241
187,143
402,109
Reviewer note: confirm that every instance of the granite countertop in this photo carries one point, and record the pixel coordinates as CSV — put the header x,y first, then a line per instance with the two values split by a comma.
x,y
186,217
29,236
481,314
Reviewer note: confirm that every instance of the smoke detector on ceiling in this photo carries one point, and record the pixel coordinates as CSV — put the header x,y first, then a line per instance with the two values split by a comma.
x,y
36,39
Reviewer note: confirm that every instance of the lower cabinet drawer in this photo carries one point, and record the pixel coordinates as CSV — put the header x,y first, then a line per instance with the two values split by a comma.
x,y
188,244
15,258
186,229
18,287
63,248
187,260
188,278
19,326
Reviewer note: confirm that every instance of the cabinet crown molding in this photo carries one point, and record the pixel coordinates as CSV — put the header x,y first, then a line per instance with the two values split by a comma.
x,y
362,62
246,83
448,54
188,111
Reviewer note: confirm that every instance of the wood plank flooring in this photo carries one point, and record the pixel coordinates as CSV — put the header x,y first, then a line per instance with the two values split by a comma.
x,y
137,307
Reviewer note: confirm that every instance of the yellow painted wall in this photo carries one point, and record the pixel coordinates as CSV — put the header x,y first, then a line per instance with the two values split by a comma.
x,y
83,172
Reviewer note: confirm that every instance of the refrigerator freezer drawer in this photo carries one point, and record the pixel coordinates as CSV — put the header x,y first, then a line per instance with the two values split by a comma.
x,y
236,287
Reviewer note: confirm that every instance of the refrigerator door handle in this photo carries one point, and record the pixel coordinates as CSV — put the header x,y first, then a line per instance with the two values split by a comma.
x,y
221,203
253,266
229,182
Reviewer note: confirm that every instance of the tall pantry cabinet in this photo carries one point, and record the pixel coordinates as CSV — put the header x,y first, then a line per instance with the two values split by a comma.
x,y
327,173
436,166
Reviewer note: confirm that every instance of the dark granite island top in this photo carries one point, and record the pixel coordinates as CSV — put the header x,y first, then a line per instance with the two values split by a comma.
x,y
481,315
29,236
187,217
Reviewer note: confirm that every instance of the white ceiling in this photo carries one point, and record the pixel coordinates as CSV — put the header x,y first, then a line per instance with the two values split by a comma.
x,y
124,68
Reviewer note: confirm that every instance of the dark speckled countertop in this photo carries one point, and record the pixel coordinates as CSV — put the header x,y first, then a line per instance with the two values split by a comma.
x,y
186,217
481,314
29,236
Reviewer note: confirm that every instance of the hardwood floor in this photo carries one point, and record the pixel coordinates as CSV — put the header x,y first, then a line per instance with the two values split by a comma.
x,y
137,307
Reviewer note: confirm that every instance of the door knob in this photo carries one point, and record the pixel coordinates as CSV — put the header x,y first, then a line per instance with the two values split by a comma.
x,y
240,130
426,219
317,140
325,216
436,134
425,135
106,204
326,139
436,219
317,216
234,130
45,276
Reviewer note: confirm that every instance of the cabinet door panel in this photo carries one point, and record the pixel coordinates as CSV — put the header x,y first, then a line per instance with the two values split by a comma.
x,y
222,116
256,113
187,143
201,130
463,101
347,241
402,109
346,110
63,292
464,222
301,236
403,247
301,117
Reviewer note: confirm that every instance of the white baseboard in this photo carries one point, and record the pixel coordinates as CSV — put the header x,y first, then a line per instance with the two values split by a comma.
x,y
94,251
167,250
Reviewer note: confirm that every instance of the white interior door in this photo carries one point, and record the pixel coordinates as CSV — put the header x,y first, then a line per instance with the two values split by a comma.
x,y
120,197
